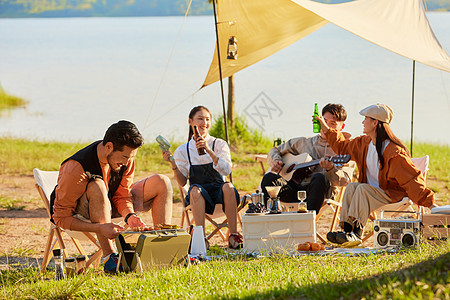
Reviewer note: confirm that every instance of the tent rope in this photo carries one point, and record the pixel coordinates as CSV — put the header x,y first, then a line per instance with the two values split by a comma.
x,y
146,125
173,108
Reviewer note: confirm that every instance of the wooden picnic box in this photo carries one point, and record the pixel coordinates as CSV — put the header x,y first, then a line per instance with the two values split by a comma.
x,y
278,232
436,226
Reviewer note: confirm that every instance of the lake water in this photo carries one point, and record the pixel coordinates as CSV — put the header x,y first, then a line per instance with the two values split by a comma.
x,y
82,74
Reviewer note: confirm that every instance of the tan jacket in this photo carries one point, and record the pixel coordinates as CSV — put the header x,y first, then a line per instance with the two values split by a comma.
x,y
398,179
316,147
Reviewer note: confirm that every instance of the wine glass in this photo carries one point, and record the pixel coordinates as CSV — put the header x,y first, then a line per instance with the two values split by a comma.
x,y
301,195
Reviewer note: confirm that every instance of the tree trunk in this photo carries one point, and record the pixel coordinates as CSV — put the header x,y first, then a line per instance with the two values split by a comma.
x,y
230,110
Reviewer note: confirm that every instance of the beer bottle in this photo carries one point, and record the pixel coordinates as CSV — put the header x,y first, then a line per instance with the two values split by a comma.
x,y
316,123
201,151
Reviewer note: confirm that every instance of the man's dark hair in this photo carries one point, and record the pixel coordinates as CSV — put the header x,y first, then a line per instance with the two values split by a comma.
x,y
337,110
123,133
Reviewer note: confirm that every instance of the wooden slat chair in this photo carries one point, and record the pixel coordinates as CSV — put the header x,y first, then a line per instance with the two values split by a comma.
x,y
405,204
218,213
45,183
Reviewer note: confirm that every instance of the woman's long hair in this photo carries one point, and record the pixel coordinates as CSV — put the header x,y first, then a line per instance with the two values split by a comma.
x,y
191,116
384,132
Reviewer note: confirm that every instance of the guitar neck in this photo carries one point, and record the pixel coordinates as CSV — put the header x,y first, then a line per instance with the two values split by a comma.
x,y
307,164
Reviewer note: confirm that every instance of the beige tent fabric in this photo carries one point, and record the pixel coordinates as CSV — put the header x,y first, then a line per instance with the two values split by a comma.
x,y
400,26
263,27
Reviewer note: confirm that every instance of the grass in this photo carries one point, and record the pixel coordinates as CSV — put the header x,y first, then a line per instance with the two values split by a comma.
x,y
10,204
49,155
439,159
20,249
409,274
246,172
8,101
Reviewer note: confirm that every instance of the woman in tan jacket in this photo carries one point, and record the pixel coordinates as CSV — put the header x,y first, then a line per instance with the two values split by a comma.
x,y
386,172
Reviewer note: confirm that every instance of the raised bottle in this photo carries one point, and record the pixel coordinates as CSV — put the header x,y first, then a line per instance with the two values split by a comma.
x,y
201,151
316,123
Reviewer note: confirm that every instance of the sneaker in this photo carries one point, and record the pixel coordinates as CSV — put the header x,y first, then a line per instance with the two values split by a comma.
x,y
110,264
344,237
331,236
235,241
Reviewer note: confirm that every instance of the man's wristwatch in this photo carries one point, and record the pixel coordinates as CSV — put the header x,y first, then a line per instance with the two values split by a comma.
x,y
128,216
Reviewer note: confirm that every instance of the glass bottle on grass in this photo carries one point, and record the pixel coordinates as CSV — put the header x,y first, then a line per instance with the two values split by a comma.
x,y
70,266
301,195
59,264
81,264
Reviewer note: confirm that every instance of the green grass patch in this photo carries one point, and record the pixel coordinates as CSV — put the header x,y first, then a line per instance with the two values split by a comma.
x,y
439,159
10,204
20,249
415,273
19,157
8,101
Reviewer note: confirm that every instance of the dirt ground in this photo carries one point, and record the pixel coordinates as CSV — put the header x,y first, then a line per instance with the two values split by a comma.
x,y
23,232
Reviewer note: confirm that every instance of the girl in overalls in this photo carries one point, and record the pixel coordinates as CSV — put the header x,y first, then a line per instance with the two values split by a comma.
x,y
206,174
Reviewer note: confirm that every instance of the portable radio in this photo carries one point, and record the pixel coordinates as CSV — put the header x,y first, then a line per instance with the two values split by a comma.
x,y
397,231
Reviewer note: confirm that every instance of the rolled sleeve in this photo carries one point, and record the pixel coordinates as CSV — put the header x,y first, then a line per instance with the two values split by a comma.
x,y
122,197
341,175
181,160
224,164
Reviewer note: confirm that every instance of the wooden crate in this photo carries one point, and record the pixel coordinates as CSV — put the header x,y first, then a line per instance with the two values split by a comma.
x,y
436,226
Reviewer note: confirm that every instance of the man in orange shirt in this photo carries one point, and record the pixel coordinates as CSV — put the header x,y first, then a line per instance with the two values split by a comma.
x,y
96,184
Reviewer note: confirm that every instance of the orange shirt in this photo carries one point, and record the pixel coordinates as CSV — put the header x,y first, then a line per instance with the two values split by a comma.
x,y
72,184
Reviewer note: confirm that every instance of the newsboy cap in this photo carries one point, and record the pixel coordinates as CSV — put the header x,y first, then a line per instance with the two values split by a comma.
x,y
380,112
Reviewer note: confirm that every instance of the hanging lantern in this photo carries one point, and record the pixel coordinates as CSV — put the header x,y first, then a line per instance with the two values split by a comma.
x,y
232,48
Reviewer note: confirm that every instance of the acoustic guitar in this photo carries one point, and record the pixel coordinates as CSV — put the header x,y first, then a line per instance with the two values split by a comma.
x,y
298,167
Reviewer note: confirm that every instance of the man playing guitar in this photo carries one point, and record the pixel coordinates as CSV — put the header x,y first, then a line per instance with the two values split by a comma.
x,y
320,181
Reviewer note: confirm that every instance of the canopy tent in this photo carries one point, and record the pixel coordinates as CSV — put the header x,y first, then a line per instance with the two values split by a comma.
x,y
263,27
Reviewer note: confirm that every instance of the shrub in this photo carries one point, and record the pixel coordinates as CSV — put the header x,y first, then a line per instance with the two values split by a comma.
x,y
241,136
9,101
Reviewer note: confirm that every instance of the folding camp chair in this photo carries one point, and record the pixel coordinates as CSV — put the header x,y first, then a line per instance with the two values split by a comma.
x,y
45,183
218,213
405,204
335,205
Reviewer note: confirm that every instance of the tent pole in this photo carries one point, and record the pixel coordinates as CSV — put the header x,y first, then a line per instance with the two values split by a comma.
x,y
220,72
221,79
412,108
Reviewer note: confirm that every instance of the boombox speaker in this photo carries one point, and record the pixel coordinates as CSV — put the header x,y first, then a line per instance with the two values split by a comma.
x,y
389,232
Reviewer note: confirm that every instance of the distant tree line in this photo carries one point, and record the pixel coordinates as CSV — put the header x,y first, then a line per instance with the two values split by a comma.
x,y
124,8
100,8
